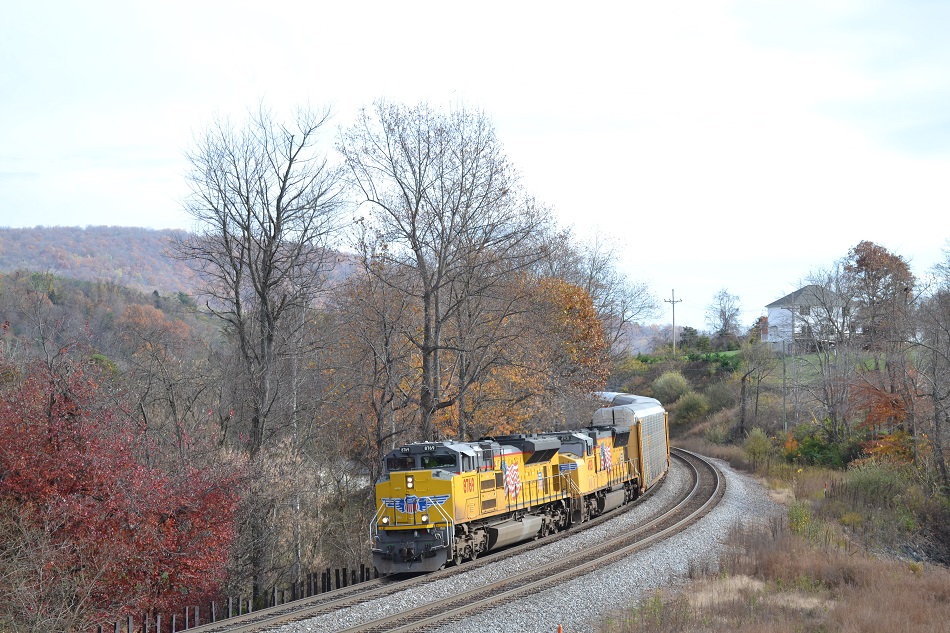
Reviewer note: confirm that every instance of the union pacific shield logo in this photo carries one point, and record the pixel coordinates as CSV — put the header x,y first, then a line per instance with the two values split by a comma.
x,y
410,504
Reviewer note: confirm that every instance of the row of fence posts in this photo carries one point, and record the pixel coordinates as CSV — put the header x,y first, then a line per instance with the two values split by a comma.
x,y
314,583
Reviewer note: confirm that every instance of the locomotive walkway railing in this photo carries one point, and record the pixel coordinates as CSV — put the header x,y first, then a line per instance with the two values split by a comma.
x,y
532,493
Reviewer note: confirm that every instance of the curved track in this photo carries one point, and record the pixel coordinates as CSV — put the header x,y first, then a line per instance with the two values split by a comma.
x,y
708,487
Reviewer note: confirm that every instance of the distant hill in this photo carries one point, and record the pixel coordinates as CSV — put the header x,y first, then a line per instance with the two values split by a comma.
x,y
127,256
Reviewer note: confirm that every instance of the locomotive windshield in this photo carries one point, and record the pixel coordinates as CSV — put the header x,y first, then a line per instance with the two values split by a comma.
x,y
401,462
431,461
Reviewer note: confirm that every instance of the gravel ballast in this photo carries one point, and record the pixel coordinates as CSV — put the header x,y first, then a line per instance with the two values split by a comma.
x,y
577,605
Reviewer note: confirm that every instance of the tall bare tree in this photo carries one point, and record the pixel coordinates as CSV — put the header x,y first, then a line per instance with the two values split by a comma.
x,y
722,315
758,362
264,200
446,204
934,343
826,334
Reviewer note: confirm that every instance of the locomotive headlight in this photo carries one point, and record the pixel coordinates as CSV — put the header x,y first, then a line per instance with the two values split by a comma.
x,y
385,521
425,518
410,481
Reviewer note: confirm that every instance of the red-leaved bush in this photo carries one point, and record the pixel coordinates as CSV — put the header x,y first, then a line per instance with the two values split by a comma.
x,y
89,530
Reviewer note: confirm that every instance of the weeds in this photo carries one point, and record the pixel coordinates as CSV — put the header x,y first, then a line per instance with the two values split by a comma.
x,y
772,579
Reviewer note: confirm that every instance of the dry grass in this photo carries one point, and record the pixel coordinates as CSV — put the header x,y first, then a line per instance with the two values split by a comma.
x,y
733,455
773,580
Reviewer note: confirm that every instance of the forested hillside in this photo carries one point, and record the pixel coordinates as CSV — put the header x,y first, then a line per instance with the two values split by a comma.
x,y
127,256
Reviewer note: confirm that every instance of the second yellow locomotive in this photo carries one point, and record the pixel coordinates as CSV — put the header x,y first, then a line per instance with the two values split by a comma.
x,y
442,502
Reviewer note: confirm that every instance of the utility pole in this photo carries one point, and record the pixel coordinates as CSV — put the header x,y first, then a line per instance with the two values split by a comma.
x,y
674,301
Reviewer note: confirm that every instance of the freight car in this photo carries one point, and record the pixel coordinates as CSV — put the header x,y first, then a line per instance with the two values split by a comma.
x,y
447,502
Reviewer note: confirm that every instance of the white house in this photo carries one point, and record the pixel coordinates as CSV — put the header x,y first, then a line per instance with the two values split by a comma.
x,y
807,317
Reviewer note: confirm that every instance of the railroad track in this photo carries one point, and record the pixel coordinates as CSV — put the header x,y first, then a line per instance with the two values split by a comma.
x,y
707,488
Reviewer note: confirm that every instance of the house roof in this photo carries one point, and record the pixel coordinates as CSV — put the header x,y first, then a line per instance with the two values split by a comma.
x,y
811,295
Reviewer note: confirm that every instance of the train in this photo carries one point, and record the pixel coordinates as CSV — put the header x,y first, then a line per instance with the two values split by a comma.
x,y
445,502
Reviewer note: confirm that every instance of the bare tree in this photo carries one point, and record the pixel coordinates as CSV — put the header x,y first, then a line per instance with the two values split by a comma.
x,y
444,201
826,333
377,360
722,315
758,362
934,343
264,199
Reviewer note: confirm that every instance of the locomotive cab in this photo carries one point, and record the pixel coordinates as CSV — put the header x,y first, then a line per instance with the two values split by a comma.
x,y
413,525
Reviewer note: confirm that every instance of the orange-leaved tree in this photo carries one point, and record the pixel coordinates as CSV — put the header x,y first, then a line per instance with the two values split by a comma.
x,y
560,357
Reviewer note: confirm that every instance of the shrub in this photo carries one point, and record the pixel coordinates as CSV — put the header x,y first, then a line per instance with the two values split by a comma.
x,y
720,395
810,445
691,406
716,434
670,387
876,483
757,446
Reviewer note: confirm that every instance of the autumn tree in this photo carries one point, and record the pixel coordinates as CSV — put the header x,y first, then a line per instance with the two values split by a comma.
x,y
620,302
265,200
561,356
171,376
453,227
882,286
885,298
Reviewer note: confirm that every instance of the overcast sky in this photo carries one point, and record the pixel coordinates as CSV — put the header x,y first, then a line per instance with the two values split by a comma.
x,y
723,144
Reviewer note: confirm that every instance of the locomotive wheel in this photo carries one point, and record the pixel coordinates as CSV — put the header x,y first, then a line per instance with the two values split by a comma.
x,y
457,558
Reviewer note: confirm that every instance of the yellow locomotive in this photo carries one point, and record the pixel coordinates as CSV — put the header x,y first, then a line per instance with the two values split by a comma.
x,y
442,502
